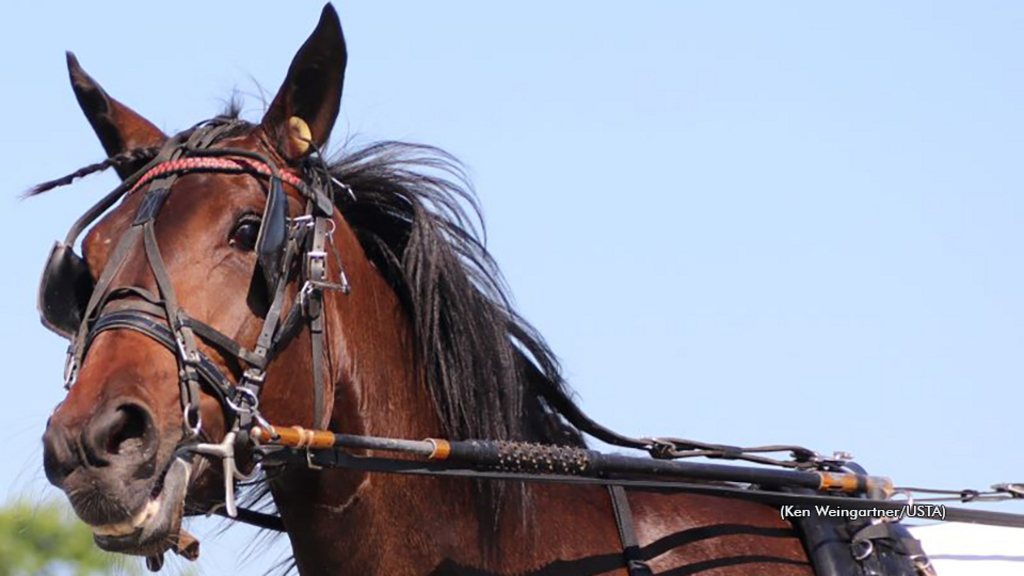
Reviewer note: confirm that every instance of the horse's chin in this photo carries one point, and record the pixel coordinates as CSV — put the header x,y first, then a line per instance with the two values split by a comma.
x,y
155,527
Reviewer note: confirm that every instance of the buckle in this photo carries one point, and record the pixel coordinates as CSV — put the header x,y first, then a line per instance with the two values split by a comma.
x,y
317,256
254,375
180,327
190,357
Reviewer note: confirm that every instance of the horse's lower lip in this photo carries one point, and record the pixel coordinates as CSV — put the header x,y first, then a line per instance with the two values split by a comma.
x,y
148,532
129,527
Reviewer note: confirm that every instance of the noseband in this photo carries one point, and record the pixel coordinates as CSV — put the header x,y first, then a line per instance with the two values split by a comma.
x,y
80,309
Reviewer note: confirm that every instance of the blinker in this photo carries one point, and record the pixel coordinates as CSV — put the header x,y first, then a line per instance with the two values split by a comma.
x,y
273,235
64,290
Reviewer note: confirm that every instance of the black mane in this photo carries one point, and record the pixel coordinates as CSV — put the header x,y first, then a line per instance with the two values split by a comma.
x,y
486,368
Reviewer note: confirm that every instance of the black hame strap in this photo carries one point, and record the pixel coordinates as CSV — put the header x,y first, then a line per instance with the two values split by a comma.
x,y
635,563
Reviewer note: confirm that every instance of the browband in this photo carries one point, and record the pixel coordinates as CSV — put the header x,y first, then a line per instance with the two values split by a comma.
x,y
215,164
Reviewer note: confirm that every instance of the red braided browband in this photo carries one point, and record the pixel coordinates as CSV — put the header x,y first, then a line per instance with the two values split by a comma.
x,y
238,165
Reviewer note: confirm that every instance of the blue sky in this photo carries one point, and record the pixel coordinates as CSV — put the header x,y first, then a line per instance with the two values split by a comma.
x,y
748,223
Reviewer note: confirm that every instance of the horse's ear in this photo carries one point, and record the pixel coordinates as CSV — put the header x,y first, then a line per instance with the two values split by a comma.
x,y
119,128
307,104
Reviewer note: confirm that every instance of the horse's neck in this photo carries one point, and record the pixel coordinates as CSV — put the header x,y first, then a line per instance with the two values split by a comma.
x,y
342,521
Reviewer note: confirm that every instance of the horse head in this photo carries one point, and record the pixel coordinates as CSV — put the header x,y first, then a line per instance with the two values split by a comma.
x,y
210,253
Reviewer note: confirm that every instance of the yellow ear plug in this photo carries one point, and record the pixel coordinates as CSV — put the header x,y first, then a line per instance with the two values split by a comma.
x,y
300,135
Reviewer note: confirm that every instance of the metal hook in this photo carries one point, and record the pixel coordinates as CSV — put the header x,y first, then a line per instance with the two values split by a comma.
x,y
252,404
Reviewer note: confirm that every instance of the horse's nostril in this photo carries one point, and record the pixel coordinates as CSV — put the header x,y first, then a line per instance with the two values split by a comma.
x,y
126,432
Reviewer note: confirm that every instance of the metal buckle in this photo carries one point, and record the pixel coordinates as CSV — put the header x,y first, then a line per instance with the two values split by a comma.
x,y
256,375
317,255
187,356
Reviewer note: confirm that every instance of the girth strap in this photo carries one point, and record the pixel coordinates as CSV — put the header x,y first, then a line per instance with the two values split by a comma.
x,y
635,564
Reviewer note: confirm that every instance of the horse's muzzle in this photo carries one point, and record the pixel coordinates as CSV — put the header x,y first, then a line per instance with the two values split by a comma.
x,y
112,471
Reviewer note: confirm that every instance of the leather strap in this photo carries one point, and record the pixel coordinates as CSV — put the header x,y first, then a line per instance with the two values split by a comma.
x,y
317,272
635,563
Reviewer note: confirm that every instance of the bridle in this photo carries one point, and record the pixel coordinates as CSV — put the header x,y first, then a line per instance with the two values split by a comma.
x,y
75,306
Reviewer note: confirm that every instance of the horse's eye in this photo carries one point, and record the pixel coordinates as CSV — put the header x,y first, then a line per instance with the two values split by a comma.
x,y
243,237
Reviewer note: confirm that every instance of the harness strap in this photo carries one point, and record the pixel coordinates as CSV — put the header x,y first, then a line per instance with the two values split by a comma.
x,y
317,272
219,385
220,340
635,563
117,258
208,333
254,518
188,356
252,379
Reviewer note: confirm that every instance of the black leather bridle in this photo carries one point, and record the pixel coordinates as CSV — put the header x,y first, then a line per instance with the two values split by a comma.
x,y
80,308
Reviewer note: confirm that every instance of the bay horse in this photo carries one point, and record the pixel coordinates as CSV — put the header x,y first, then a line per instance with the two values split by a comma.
x,y
425,344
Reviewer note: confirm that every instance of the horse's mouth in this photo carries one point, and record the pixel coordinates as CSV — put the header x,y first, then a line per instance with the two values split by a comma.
x,y
156,526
